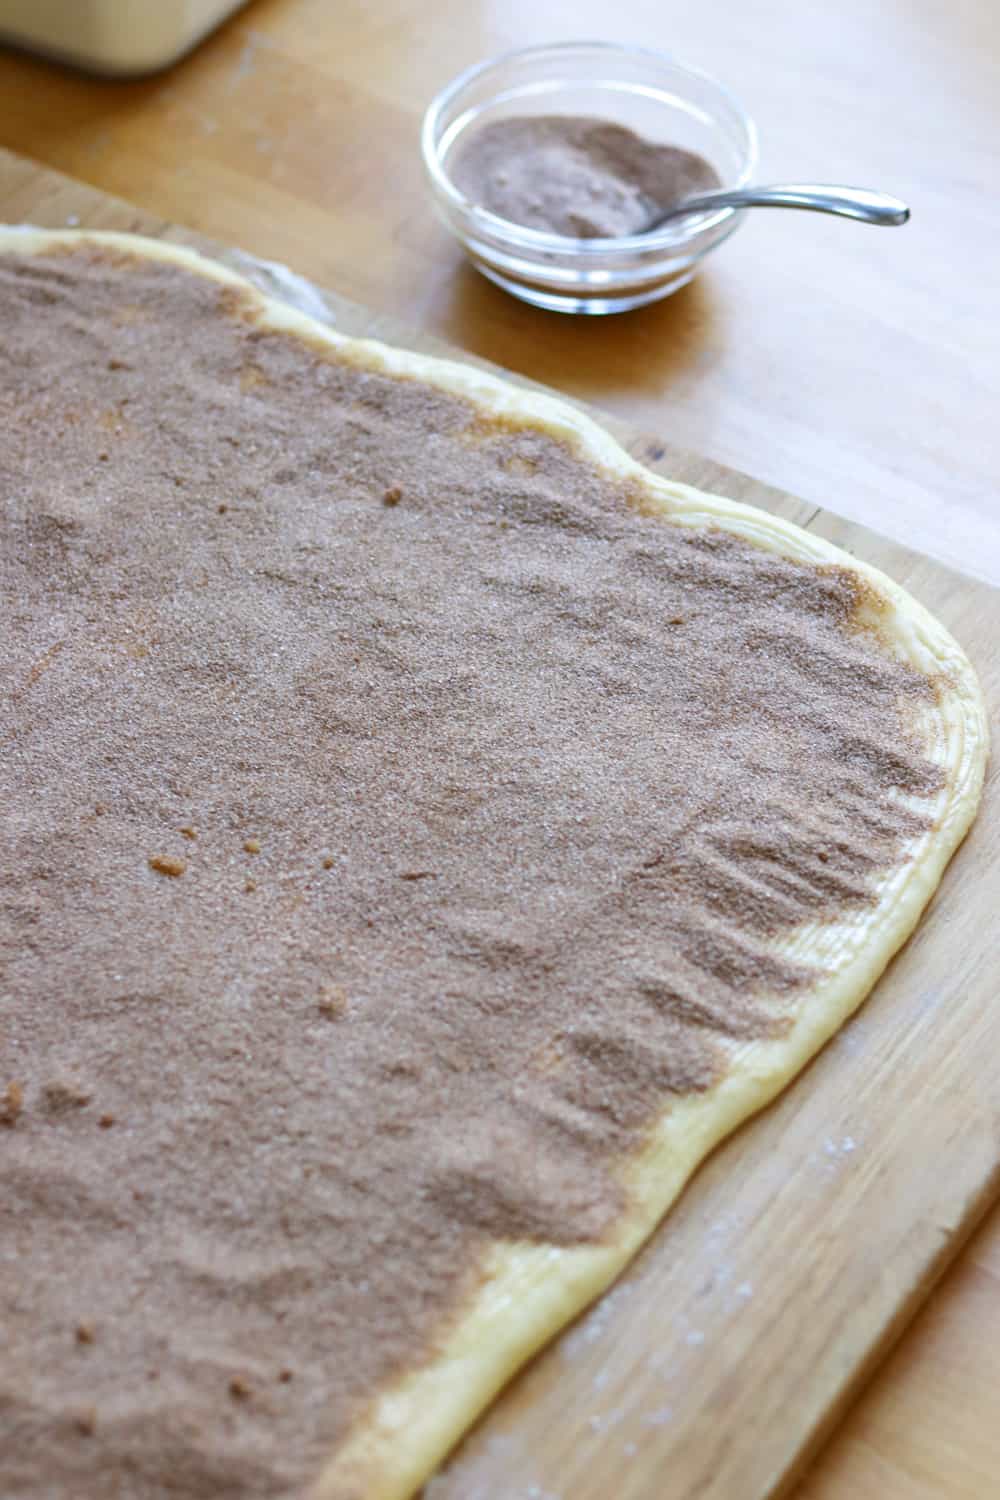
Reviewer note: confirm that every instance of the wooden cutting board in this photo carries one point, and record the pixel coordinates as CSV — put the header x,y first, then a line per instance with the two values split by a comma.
x,y
723,1357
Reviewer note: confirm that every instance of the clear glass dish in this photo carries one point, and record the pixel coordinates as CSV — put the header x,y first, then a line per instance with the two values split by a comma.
x,y
654,95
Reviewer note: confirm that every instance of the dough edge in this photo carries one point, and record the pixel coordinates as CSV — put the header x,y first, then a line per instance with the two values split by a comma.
x,y
528,1292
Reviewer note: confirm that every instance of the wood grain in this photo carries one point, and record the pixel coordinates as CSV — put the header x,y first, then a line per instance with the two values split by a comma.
x,y
639,1388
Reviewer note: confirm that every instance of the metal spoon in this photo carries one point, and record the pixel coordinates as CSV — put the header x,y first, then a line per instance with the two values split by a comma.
x,y
849,202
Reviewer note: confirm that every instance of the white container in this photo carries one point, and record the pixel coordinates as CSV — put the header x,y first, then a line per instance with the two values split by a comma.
x,y
120,38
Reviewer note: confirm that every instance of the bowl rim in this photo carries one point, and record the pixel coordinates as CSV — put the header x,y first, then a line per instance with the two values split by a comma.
x,y
559,244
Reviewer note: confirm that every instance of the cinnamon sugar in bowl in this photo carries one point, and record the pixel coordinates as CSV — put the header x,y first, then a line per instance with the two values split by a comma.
x,y
544,162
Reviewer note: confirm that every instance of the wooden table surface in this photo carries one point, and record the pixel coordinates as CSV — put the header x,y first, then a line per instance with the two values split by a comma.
x,y
855,367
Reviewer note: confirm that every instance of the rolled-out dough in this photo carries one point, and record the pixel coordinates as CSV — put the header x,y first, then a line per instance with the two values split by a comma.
x,y
525,1292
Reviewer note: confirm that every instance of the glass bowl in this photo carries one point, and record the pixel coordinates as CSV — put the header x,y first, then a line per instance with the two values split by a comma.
x,y
653,94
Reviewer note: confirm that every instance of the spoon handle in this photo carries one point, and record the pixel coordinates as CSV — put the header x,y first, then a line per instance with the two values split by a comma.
x,y
849,202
